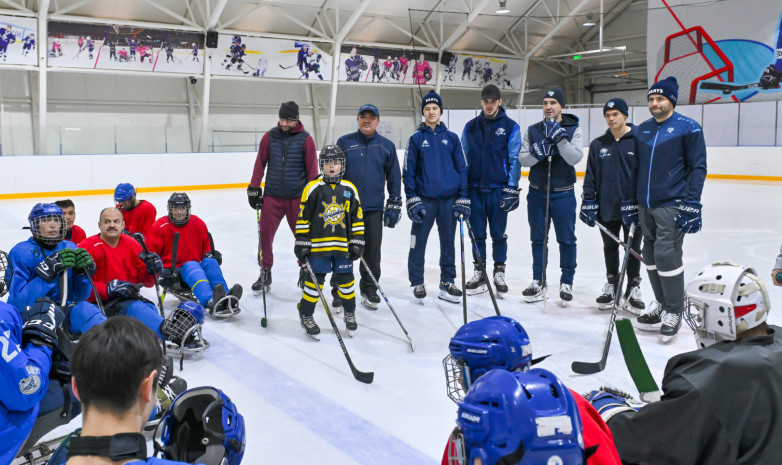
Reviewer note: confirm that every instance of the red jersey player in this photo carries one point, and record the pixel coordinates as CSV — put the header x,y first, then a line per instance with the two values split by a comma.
x,y
74,233
137,214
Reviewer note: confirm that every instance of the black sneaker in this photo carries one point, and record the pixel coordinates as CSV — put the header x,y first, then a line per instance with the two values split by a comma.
x,y
499,278
533,292
449,292
671,322
476,284
419,291
350,322
652,319
264,278
606,300
370,300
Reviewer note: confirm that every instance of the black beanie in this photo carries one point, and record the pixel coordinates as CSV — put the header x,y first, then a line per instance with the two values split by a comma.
x,y
289,110
432,97
557,94
668,88
616,104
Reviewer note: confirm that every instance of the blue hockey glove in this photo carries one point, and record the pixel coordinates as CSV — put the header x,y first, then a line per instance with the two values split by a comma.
x,y
55,264
216,255
510,198
689,219
540,150
415,209
40,322
555,132
393,213
152,261
629,210
355,249
589,211
124,289
461,207
608,402
255,197
302,249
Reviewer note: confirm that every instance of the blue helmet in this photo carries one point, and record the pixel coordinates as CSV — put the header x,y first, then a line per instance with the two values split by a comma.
x,y
482,345
124,191
520,418
202,425
47,223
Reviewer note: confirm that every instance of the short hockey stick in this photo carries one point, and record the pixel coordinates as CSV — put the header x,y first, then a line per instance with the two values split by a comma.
x,y
174,247
364,377
464,280
64,343
377,284
482,263
620,242
264,321
140,239
98,302
588,368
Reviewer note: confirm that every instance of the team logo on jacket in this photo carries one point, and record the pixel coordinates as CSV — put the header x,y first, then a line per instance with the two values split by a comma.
x,y
670,130
500,132
444,141
604,153
333,214
425,144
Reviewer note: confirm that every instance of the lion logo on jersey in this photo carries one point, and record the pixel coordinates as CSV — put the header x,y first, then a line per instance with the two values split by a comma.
x,y
333,214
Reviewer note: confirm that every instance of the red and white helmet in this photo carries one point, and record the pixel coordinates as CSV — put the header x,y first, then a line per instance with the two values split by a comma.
x,y
723,300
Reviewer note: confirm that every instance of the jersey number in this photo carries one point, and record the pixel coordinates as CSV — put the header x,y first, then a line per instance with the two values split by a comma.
x,y
7,356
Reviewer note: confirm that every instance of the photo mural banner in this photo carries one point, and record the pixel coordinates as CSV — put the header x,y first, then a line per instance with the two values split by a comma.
x,y
718,52
18,41
477,71
388,66
101,46
257,57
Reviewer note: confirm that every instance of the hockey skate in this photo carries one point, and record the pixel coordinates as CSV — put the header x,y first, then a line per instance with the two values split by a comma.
x,y
477,284
224,306
671,322
449,292
633,302
419,292
606,300
311,328
534,292
336,302
350,323
265,278
499,280
565,294
370,300
165,396
652,319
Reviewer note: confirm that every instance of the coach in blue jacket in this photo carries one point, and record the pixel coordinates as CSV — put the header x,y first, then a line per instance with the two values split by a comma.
x,y
671,155
435,180
372,165
491,144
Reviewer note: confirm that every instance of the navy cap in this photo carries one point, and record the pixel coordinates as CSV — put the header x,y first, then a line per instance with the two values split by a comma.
x,y
616,104
369,107
667,87
557,94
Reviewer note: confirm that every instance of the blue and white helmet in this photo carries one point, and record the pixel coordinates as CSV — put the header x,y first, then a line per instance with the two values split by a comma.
x,y
124,191
47,223
519,418
482,345
202,425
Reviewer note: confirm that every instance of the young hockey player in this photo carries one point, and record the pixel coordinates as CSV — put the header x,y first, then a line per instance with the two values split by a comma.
x,y
422,71
28,43
435,180
75,233
354,65
330,236
112,50
195,52
137,214
56,48
313,65
7,37
608,180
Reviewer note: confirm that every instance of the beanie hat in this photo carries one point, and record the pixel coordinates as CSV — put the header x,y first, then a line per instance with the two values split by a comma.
x,y
289,110
491,91
432,97
616,104
557,94
668,88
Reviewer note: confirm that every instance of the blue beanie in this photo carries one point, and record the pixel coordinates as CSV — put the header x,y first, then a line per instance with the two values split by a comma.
x,y
432,97
557,94
668,88
616,104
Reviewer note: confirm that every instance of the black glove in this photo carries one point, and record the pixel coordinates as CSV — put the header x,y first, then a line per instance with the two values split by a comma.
x,y
415,209
555,132
169,277
84,262
540,150
589,210
124,289
629,210
41,321
510,198
393,212
461,207
689,219
55,264
153,262
302,249
216,255
770,78
255,197
355,249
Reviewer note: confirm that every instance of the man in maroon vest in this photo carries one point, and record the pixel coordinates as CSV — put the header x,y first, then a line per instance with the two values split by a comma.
x,y
288,156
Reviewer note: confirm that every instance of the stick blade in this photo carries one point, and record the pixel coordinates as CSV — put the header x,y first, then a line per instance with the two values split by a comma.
x,y
588,368
635,360
364,377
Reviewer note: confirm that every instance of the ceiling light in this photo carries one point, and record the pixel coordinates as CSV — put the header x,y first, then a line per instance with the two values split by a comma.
x,y
590,21
502,9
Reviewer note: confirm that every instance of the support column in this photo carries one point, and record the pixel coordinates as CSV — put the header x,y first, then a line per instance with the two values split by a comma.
x,y
203,144
42,48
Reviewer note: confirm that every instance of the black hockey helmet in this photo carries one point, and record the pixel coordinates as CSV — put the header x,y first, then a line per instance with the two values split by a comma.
x,y
179,200
332,154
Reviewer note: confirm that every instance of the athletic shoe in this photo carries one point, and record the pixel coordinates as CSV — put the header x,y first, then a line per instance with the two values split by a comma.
x,y
419,291
671,322
449,292
476,284
633,301
370,300
652,319
265,278
606,300
350,322
499,278
565,293
533,292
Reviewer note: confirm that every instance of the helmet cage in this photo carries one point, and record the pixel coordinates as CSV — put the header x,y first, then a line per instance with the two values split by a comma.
x,y
178,200
6,273
332,154
43,213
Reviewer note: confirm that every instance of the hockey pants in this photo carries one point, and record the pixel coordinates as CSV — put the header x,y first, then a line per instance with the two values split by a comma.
x,y
611,250
83,316
142,310
274,209
342,268
485,206
662,252
202,278
562,213
440,211
373,238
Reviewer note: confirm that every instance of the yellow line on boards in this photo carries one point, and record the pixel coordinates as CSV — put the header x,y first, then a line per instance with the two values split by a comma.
x,y
65,194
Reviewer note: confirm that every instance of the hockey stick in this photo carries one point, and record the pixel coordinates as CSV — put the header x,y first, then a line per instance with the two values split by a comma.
x,y
636,363
377,284
464,281
288,67
90,278
264,321
172,267
364,377
140,239
482,263
727,88
588,368
544,264
620,242
64,343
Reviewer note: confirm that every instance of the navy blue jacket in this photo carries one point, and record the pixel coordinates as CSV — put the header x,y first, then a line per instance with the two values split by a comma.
x,y
370,162
564,155
491,147
609,173
671,161
435,166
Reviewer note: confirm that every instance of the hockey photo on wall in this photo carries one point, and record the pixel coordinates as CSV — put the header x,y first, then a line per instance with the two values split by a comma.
x,y
727,52
477,71
387,66
116,47
258,57
18,41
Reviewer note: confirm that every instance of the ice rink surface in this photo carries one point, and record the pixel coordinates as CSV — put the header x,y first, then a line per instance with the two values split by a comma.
x,y
299,399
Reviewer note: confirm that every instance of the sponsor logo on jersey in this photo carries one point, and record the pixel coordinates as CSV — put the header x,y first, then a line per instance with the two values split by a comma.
x,y
472,418
477,351
444,141
604,153
346,194
333,214
500,132
425,144
670,130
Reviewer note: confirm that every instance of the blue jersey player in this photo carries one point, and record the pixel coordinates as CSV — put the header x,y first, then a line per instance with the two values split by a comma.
x,y
7,37
195,52
28,43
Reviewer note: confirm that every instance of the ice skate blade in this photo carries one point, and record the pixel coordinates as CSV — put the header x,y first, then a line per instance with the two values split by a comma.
x,y
632,310
350,333
564,303
448,298
500,295
260,291
315,337
368,305
478,290
655,328
533,299
667,339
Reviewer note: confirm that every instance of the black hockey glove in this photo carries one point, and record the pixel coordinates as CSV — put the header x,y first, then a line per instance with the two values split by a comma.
x,y
629,210
355,249
41,321
510,198
415,209
461,207
393,213
55,264
589,211
169,278
84,262
216,255
153,262
555,132
689,219
124,289
540,150
770,78
302,249
255,197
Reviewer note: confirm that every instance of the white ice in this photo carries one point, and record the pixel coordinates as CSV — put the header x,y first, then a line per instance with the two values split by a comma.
x,y
299,399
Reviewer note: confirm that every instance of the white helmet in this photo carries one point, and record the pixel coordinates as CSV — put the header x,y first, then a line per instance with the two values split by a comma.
x,y
193,45
88,38
723,300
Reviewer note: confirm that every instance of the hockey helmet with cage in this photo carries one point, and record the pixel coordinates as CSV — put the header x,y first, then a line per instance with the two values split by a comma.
x,y
183,325
6,272
331,155
723,300
176,201
55,228
123,192
519,418
202,426
482,345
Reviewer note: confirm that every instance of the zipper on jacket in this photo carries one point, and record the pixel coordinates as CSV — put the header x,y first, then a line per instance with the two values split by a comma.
x,y
651,159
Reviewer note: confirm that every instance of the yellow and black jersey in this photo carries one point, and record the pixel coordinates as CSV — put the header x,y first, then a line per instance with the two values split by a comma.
x,y
330,216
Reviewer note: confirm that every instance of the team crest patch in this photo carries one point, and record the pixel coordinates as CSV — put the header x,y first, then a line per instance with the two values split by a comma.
x,y
346,194
500,132
610,104
604,153
32,383
670,130
333,214
444,141
550,93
